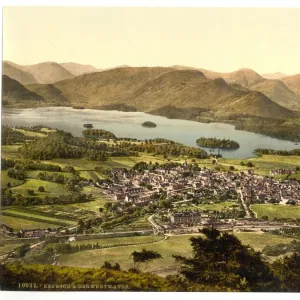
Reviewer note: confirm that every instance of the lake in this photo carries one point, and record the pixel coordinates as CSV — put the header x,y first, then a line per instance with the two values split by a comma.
x,y
129,124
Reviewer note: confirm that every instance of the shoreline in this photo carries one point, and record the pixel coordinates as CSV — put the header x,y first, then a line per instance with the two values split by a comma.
x,y
164,123
216,122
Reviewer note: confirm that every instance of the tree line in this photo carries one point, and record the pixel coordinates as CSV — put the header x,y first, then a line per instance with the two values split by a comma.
x,y
20,200
261,151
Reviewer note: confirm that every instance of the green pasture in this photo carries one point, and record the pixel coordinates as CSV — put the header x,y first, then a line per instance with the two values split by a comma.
x,y
23,214
5,179
276,211
51,188
19,223
178,245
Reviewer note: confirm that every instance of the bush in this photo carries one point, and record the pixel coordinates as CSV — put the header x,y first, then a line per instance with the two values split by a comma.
x,y
41,189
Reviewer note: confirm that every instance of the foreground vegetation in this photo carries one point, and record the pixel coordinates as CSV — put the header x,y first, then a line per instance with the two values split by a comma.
x,y
216,262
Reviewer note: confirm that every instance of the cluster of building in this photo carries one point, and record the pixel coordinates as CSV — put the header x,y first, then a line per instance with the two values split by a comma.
x,y
282,172
141,188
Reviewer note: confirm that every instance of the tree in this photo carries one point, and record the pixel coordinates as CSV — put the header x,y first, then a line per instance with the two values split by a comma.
x,y
22,250
231,168
242,163
250,164
30,192
221,259
145,256
41,189
287,270
8,185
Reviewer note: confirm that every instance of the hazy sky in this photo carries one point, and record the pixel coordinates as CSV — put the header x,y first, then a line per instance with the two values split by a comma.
x,y
220,39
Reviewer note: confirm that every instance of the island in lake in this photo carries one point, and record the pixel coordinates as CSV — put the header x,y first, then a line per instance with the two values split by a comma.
x,y
149,124
217,143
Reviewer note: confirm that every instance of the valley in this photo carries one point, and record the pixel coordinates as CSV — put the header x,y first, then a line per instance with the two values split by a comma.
x,y
101,205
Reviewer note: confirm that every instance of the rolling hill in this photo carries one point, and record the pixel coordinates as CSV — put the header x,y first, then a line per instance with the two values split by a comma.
x,y
47,91
277,75
293,83
285,92
78,69
278,92
151,89
13,91
48,72
16,72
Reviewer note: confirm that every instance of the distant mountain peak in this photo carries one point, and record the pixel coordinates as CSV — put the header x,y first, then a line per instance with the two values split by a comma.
x,y
277,75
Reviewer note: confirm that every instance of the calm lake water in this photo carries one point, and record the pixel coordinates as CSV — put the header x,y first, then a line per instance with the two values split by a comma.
x,y
128,124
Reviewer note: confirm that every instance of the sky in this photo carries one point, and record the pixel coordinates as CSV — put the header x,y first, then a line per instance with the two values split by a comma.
x,y
219,39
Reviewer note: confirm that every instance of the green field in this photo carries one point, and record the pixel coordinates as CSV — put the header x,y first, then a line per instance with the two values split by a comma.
x,y
120,240
23,214
265,163
18,223
10,151
5,248
5,179
215,206
31,133
61,212
295,176
51,188
259,240
82,164
276,211
173,245
135,224
96,258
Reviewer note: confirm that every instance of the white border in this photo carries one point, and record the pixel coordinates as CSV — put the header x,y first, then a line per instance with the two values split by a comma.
x,y
145,3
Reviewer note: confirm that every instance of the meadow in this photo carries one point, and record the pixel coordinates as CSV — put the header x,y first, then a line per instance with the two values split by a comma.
x,y
5,248
5,179
276,211
19,223
265,163
179,245
10,151
211,207
35,216
51,188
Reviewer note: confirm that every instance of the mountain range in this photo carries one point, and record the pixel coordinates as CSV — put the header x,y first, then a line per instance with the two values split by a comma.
x,y
153,89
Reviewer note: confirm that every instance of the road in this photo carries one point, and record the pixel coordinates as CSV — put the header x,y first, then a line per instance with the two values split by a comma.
x,y
152,222
4,256
248,215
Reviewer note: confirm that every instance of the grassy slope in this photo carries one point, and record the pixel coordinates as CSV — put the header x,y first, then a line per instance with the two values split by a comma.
x,y
216,206
174,245
121,240
5,248
51,188
24,214
10,151
17,223
5,179
31,133
265,163
276,210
